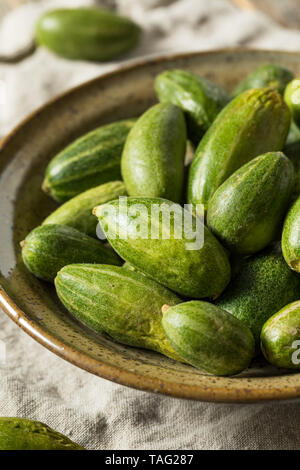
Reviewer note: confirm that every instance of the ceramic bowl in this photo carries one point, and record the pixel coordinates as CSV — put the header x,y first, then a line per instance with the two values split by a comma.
x,y
33,305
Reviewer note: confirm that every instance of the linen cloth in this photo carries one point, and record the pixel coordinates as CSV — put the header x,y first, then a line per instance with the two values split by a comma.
x,y
35,383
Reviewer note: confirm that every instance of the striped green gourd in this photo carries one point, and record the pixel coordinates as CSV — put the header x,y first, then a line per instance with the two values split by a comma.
x,y
25,434
246,212
291,237
87,33
208,338
200,99
77,212
187,260
153,157
48,248
267,75
90,161
280,337
255,122
121,303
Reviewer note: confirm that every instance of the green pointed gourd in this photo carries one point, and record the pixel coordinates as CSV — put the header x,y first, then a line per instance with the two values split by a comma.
x,y
168,244
292,98
48,248
199,98
25,434
153,156
280,337
77,212
121,303
209,338
263,285
246,212
267,75
90,161
291,237
87,33
255,122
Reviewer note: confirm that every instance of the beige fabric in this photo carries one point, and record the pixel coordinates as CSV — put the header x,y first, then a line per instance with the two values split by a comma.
x,y
35,383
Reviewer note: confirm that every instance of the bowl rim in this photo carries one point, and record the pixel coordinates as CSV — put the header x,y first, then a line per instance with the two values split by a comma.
x,y
226,394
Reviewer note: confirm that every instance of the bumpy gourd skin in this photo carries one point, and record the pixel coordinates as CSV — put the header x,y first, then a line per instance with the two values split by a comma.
x,y
198,273
247,210
268,75
153,157
208,338
77,212
89,161
121,303
256,122
292,98
87,33
291,237
24,434
279,335
48,248
263,285
200,99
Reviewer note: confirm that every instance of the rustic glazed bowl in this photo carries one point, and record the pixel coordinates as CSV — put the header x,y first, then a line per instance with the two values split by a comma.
x,y
33,305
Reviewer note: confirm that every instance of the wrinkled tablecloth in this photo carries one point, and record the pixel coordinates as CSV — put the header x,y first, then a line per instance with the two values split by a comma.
x,y
34,383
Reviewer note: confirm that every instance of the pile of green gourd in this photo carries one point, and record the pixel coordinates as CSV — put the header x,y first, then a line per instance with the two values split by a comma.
x,y
215,307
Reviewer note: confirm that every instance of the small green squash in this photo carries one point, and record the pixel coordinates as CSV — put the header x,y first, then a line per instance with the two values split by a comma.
x,y
291,237
256,122
150,234
77,212
50,247
90,161
268,75
87,33
263,285
292,151
208,338
246,212
280,337
24,434
200,99
121,303
153,156
292,98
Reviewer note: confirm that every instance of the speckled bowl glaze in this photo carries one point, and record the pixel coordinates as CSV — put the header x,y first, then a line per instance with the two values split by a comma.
x,y
33,305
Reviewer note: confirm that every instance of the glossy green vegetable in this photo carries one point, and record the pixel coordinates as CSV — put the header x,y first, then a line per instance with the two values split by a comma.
x,y
153,157
280,337
268,75
50,247
291,237
254,123
121,303
263,285
24,434
90,161
208,338
166,248
87,33
77,212
199,98
247,210
292,98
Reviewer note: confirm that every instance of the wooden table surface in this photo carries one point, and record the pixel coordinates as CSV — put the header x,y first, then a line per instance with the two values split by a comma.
x,y
284,12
